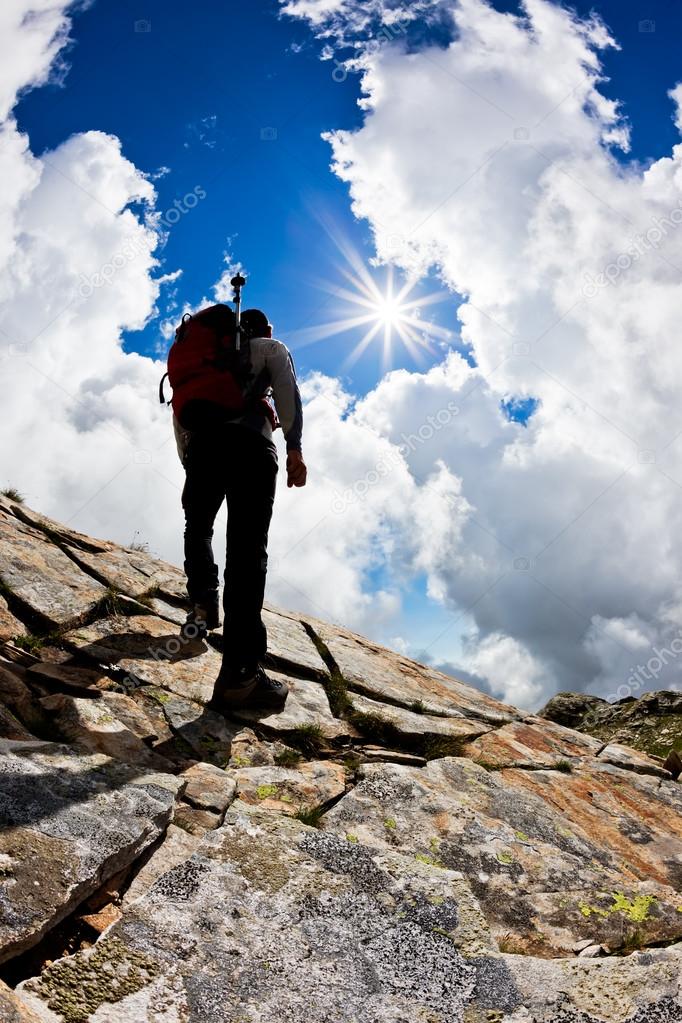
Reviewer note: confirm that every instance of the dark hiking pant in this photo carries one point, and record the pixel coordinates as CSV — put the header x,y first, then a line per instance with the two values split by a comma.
x,y
238,465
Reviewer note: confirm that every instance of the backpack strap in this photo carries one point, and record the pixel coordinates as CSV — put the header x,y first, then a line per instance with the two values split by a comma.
x,y
162,396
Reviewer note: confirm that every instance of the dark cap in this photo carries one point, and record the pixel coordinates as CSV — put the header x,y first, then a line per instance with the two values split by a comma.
x,y
254,323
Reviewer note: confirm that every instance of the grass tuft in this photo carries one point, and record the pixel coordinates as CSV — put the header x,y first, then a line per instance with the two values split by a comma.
x,y
308,738
311,816
12,494
288,758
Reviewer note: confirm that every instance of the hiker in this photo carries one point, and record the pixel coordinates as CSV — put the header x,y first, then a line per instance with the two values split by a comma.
x,y
226,408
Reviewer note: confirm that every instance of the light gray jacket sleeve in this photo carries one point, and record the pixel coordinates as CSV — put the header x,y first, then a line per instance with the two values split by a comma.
x,y
285,393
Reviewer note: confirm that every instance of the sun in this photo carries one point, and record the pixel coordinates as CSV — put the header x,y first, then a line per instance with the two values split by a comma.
x,y
368,300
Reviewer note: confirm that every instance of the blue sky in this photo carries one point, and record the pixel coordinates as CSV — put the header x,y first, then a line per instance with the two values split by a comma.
x,y
234,100
204,96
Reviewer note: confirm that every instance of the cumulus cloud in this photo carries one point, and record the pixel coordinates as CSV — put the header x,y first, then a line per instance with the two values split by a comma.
x,y
496,155
552,545
84,436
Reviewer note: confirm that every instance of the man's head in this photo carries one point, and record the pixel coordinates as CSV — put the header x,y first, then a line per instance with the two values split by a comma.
x,y
255,323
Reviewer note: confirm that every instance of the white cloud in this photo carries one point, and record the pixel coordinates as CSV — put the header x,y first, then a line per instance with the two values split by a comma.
x,y
493,155
553,545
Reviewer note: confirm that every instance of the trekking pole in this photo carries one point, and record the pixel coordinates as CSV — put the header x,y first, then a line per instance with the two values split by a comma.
x,y
238,283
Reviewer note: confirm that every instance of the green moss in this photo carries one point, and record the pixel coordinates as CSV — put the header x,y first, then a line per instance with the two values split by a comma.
x,y
636,910
266,791
390,824
76,986
354,838
588,911
158,695
32,644
505,857
522,836
430,860
565,766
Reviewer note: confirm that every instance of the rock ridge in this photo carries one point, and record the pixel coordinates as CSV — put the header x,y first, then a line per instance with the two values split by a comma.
x,y
394,846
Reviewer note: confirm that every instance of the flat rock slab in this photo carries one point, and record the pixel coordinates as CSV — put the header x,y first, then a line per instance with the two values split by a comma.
x,y
129,571
552,858
645,987
42,577
67,678
275,921
290,790
383,674
417,727
632,760
634,819
9,625
208,787
151,651
92,725
307,704
67,823
381,755
531,743
133,572
290,644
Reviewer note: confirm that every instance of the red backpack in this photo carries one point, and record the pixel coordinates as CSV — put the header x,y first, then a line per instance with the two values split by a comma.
x,y
205,366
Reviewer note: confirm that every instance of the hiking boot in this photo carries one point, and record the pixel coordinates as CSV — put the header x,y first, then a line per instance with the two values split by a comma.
x,y
269,692
200,619
233,689
248,689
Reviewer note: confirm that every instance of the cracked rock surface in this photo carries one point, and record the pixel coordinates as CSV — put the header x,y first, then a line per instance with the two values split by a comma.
x,y
393,847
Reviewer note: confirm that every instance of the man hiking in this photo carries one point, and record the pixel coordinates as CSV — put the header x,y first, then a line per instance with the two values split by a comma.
x,y
227,400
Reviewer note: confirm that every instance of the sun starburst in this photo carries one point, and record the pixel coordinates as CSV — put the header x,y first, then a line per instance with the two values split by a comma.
x,y
370,300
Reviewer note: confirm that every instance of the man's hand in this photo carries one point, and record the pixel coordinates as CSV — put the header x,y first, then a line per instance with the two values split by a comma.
x,y
297,472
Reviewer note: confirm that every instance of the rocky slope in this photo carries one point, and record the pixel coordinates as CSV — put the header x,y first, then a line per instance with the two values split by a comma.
x,y
652,723
394,846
